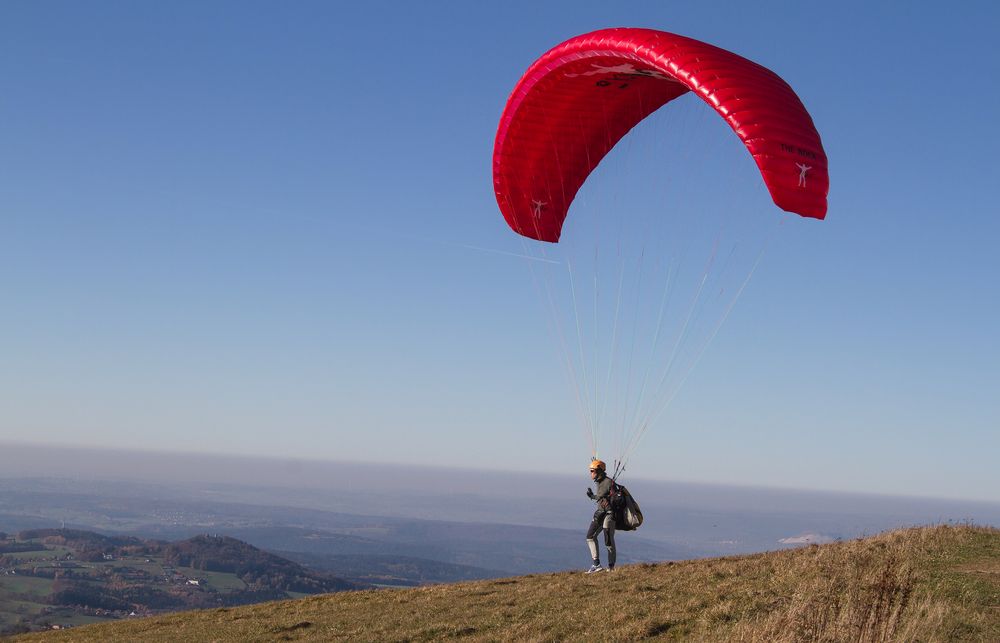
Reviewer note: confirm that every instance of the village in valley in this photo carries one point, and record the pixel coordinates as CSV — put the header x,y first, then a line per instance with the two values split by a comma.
x,y
58,578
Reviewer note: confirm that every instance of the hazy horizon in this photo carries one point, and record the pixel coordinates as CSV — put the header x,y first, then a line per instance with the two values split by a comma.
x,y
25,460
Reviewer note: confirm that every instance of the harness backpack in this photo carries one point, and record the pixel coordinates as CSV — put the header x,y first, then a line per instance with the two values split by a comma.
x,y
625,509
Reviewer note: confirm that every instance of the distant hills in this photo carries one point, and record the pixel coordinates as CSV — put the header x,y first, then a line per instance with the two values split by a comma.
x,y
66,577
366,549
922,584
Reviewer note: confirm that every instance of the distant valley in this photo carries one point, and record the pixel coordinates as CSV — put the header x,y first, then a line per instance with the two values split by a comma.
x,y
67,577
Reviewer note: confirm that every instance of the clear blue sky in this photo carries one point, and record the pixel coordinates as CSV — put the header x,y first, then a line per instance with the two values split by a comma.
x,y
241,227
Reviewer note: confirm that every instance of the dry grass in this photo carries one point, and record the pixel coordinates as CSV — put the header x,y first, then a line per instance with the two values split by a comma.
x,y
923,584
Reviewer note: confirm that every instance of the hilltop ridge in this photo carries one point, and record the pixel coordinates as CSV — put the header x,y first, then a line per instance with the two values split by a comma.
x,y
926,583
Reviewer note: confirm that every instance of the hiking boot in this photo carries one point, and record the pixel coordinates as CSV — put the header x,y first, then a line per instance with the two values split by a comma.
x,y
594,568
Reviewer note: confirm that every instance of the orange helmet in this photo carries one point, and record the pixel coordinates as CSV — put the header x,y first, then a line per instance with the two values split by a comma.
x,y
597,465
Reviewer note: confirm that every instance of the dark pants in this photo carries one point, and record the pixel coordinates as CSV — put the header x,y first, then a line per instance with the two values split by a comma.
x,y
603,521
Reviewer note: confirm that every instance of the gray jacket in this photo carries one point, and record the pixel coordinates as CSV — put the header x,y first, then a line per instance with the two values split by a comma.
x,y
602,495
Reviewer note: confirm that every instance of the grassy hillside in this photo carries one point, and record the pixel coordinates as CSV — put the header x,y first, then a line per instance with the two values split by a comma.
x,y
922,584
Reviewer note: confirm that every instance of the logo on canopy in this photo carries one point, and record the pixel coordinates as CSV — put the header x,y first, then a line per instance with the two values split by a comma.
x,y
803,168
626,69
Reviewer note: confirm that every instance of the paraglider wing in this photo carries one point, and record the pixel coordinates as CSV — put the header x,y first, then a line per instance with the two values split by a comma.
x,y
580,98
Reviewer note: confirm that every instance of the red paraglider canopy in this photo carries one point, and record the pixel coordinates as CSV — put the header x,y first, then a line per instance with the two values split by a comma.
x,y
580,98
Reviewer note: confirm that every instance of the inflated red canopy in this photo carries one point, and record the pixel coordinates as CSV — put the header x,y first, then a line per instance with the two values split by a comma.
x,y
580,98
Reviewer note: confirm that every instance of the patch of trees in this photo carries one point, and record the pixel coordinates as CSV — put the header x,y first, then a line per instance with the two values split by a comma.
x,y
17,628
70,592
80,539
258,569
14,547
83,594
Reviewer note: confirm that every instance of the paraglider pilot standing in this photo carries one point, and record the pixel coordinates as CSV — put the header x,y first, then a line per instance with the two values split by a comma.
x,y
604,519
